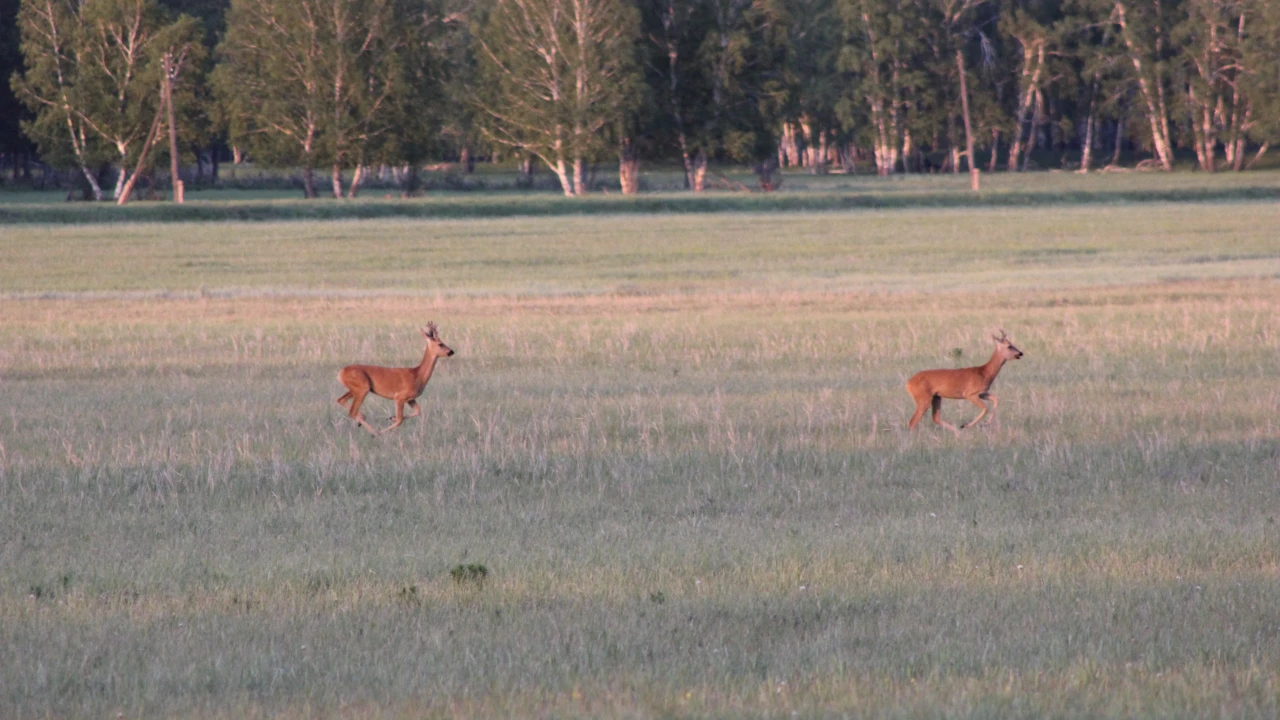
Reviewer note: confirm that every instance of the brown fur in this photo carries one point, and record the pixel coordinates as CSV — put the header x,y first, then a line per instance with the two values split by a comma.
x,y
402,385
929,387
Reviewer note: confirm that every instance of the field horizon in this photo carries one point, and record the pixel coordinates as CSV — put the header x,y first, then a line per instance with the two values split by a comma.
x,y
676,444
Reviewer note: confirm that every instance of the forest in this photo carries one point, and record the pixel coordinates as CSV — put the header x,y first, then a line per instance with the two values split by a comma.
x,y
104,92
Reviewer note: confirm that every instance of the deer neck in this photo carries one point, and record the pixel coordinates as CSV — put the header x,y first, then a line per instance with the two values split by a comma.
x,y
425,368
992,368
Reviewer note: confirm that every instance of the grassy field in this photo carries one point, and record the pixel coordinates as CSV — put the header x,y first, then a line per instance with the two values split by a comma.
x,y
800,193
676,443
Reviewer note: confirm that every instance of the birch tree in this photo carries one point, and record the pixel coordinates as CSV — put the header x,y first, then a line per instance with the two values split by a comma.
x,y
668,28
96,66
270,81
886,61
309,82
50,89
744,53
1257,82
554,73
1033,40
1142,28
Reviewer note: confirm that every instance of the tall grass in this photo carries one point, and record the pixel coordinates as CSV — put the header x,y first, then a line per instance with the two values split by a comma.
x,y
695,500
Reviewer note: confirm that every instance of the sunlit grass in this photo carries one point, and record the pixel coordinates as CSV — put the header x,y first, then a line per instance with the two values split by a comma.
x,y
869,251
694,497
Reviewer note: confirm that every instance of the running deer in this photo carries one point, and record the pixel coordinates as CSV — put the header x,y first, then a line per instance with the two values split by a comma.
x,y
972,384
403,385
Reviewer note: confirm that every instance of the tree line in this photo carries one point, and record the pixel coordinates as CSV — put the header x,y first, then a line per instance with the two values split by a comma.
x,y
339,86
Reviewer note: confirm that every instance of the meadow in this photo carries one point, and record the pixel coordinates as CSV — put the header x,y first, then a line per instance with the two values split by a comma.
x,y
677,445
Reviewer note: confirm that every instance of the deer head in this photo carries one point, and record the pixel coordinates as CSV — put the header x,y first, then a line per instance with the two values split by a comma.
x,y
434,344
1005,347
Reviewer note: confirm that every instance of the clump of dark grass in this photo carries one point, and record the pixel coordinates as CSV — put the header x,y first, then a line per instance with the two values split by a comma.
x,y
471,575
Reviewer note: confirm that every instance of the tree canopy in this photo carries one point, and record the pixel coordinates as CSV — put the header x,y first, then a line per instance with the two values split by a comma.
x,y
890,85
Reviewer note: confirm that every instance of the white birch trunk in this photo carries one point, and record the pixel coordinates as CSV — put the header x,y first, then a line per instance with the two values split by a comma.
x,y
1152,97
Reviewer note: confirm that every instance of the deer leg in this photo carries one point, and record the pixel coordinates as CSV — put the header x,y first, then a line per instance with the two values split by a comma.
x,y
922,404
976,400
416,410
915,419
357,399
994,403
343,400
937,408
399,418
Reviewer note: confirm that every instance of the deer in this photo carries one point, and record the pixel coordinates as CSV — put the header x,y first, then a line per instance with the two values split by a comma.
x,y
402,385
929,387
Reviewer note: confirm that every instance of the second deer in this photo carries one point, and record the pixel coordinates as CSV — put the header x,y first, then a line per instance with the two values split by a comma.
x,y
403,385
929,387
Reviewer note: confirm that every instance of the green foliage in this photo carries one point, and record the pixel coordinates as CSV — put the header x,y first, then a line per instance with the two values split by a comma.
x,y
471,575
93,78
554,74
324,81
351,84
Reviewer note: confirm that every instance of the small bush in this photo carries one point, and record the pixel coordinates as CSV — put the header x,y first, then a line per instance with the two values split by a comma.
x,y
470,574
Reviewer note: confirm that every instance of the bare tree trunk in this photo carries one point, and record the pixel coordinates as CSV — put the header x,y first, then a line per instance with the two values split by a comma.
x,y
1201,129
76,135
628,167
882,140
908,149
968,126
237,155
355,180
1029,92
1033,137
336,176
822,159
698,177
789,148
308,173
466,160
1235,140
1115,154
1261,151
995,149
809,155
1237,162
94,186
579,176
1086,157
566,178
127,190
1152,96
849,159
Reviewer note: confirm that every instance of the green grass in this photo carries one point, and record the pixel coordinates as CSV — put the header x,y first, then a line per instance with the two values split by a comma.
x,y
677,446
887,251
800,193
